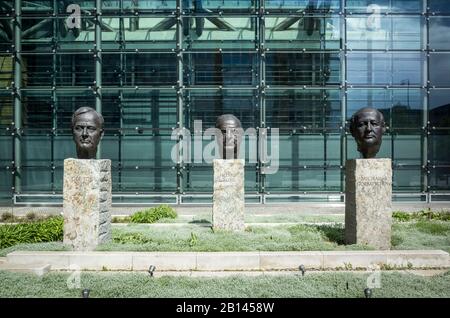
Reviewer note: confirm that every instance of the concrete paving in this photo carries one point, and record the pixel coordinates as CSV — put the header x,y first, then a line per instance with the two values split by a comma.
x,y
234,261
37,269
267,209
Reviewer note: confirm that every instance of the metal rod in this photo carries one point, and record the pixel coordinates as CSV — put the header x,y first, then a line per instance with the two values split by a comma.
x,y
180,108
17,95
98,64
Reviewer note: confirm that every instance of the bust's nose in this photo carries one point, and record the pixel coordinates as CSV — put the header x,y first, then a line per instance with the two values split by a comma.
x,y
84,133
369,127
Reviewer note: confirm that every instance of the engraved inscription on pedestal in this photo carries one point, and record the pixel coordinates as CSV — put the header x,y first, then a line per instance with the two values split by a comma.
x,y
368,202
228,198
87,203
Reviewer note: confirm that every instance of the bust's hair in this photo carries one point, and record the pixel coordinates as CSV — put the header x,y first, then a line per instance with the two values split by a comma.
x,y
227,117
354,118
85,109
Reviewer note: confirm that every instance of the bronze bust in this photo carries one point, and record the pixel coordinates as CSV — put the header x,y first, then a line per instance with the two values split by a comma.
x,y
230,138
87,130
367,126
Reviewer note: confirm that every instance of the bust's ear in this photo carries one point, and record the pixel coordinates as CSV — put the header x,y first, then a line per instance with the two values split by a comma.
x,y
102,134
384,127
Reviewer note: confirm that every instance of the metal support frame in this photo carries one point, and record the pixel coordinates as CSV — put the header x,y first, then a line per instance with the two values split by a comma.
x,y
98,64
17,20
180,91
18,33
262,84
426,99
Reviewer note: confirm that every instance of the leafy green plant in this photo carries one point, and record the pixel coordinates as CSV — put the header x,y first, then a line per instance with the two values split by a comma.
x,y
154,214
401,216
422,215
48,230
193,240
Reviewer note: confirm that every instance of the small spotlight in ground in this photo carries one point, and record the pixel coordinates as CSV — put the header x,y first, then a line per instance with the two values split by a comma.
x,y
151,269
302,269
368,292
85,293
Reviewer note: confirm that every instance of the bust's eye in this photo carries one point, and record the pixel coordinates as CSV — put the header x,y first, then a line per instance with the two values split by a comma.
x,y
91,128
375,123
78,128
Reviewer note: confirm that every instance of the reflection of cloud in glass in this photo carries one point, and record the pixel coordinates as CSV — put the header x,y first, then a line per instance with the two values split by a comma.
x,y
439,30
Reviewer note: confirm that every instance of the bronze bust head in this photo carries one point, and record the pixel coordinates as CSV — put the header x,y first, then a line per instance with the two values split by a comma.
x,y
230,139
87,130
367,126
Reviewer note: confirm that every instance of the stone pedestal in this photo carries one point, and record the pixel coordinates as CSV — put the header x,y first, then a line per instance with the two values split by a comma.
x,y
87,203
368,196
228,199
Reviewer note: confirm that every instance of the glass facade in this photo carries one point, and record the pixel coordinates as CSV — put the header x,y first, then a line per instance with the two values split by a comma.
x,y
152,66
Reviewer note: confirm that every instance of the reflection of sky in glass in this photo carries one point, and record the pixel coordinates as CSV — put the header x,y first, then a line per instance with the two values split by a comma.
x,y
385,68
387,33
385,5
442,6
440,69
302,4
439,98
439,33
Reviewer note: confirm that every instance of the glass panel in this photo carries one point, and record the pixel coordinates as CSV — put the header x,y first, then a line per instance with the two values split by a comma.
x,y
402,108
288,179
407,150
303,110
407,179
303,69
439,178
385,68
37,111
69,101
38,70
206,6
141,69
439,149
223,69
153,6
374,7
6,109
207,105
143,33
219,32
6,34
439,69
141,111
439,115
297,33
391,32
439,30
6,158
439,6
296,6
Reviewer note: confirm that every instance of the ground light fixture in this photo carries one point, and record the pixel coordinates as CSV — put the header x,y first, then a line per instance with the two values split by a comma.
x,y
368,292
302,269
85,293
151,269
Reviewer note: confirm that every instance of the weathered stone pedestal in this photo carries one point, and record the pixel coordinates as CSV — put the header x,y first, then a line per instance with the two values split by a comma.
x,y
87,203
368,199
228,199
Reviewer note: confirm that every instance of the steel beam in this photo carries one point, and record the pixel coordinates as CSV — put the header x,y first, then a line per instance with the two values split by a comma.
x,y
17,95
98,64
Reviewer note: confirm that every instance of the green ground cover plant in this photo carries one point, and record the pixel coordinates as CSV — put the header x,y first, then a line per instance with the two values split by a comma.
x,y
329,284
